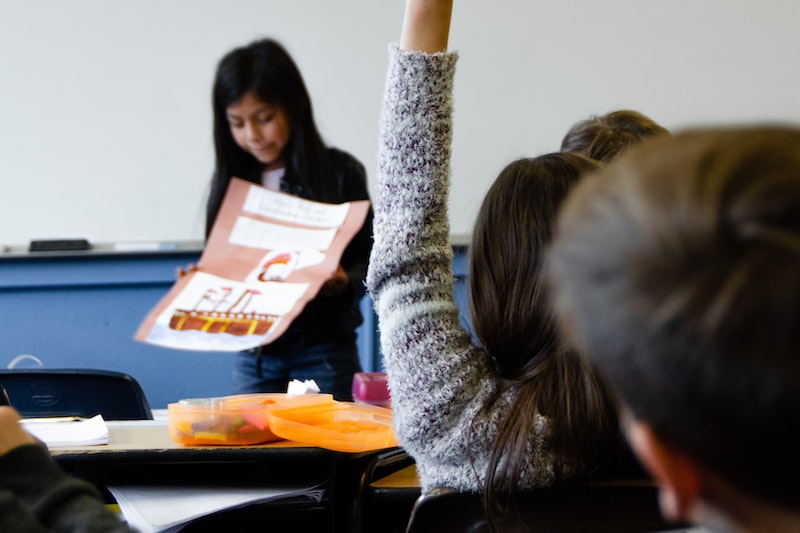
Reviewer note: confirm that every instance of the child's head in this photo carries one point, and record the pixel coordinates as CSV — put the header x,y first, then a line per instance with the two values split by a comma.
x,y
513,227
603,138
513,320
260,81
677,270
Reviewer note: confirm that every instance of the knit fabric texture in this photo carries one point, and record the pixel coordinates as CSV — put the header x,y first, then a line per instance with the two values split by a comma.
x,y
439,380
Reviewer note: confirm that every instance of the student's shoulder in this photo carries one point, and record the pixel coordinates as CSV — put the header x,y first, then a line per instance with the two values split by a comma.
x,y
345,165
341,157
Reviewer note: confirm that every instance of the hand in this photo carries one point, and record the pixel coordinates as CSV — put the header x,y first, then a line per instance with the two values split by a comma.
x,y
11,433
180,272
336,284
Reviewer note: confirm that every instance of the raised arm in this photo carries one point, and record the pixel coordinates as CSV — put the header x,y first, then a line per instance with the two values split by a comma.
x,y
426,25
438,379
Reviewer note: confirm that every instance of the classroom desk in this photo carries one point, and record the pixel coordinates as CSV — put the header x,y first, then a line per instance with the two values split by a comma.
x,y
142,452
404,479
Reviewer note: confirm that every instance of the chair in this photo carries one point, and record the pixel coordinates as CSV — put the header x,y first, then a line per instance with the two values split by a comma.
x,y
608,506
384,508
43,392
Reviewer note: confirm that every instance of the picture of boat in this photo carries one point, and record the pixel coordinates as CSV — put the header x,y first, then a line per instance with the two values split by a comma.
x,y
211,315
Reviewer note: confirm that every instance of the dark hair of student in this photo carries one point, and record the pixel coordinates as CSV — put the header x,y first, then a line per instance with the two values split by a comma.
x,y
265,68
678,269
604,137
513,321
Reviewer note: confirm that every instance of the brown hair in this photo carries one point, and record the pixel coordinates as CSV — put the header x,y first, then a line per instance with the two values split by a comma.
x,y
512,319
604,137
678,270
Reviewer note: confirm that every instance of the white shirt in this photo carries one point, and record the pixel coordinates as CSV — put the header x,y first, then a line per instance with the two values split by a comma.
x,y
271,179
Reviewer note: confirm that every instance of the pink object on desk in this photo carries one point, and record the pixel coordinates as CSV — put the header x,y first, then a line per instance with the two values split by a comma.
x,y
371,388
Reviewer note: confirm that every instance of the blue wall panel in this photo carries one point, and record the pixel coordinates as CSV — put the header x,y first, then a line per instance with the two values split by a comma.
x,y
81,310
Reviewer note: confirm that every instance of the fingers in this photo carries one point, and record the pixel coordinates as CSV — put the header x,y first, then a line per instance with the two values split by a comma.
x,y
11,433
183,271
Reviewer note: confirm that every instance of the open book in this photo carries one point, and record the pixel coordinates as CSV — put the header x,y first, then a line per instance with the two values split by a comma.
x,y
268,254
168,509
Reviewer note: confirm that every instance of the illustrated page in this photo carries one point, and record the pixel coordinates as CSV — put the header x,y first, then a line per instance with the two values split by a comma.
x,y
268,254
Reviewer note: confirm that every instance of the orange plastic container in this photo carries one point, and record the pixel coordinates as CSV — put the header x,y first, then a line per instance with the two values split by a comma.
x,y
232,420
339,426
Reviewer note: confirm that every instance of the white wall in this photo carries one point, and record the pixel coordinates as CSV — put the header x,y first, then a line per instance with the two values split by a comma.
x,y
105,120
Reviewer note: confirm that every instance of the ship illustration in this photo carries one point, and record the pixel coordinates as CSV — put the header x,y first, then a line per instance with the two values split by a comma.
x,y
211,314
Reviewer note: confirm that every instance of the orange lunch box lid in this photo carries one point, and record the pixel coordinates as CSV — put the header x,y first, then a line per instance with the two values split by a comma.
x,y
338,426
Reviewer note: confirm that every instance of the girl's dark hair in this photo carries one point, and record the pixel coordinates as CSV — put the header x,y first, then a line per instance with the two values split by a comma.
x,y
512,319
265,68
604,137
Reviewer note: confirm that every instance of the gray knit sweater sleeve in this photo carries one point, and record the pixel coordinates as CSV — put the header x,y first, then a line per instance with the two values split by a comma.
x,y
438,379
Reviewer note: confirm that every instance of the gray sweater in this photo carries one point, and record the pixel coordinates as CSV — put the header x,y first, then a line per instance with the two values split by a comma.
x,y
438,379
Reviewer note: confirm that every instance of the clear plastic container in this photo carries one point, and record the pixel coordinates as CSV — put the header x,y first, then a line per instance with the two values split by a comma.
x,y
339,426
232,420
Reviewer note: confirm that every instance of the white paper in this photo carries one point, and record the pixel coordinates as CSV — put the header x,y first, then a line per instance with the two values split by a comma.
x,y
254,233
206,293
270,204
161,509
298,388
68,431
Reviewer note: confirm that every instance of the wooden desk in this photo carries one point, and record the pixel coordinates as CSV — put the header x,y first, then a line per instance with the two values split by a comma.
x,y
142,452
405,478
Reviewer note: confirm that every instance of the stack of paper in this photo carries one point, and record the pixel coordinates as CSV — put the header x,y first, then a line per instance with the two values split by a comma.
x,y
68,431
168,509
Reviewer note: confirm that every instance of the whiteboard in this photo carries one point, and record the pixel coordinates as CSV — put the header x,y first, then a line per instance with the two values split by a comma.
x,y
106,117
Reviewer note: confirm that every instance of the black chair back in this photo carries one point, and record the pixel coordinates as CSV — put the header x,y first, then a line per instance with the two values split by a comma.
x,y
613,506
44,392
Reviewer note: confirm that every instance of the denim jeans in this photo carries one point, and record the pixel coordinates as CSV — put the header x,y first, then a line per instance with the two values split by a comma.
x,y
330,364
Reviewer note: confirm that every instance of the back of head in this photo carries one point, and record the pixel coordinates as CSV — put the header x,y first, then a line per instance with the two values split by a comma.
x,y
604,137
677,270
514,224
513,320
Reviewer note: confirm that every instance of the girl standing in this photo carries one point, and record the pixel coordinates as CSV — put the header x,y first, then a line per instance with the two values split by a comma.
x,y
264,132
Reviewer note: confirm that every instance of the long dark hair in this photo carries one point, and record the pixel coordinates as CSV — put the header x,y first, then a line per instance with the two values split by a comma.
x,y
265,68
512,319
